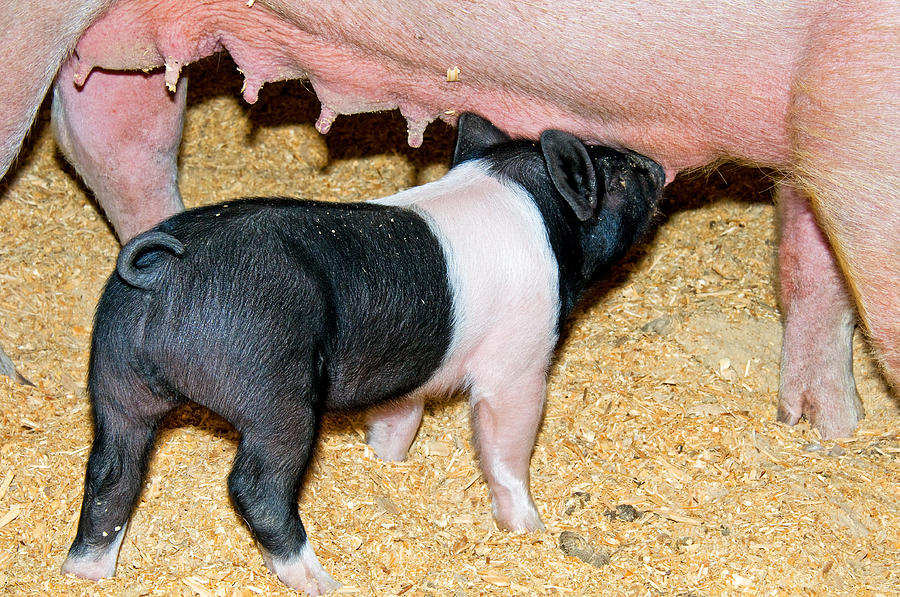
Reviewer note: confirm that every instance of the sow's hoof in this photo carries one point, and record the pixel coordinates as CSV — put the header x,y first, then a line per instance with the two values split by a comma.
x,y
9,370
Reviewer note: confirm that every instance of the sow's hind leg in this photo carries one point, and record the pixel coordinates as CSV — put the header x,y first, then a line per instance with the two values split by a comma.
x,y
126,417
45,32
121,131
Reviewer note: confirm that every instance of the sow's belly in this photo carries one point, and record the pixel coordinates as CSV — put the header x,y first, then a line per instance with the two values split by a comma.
x,y
684,86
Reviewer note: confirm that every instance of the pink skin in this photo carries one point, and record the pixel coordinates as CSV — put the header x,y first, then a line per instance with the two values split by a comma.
x,y
505,423
107,145
816,308
807,87
845,122
393,426
506,303
45,33
303,573
659,109
102,565
506,415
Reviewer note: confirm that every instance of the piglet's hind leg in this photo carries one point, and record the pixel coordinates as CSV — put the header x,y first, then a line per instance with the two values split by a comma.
x,y
265,483
115,474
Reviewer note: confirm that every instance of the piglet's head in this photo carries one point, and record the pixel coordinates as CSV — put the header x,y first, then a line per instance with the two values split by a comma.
x,y
596,201
612,193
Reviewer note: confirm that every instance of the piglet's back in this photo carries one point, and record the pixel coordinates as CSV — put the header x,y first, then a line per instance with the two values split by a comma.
x,y
263,283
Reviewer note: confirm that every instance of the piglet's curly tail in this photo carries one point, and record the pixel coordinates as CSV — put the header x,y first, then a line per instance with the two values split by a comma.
x,y
139,260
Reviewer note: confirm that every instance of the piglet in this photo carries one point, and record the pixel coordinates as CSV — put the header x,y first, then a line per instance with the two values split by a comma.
x,y
271,311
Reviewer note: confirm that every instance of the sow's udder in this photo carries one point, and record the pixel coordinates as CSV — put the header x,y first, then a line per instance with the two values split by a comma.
x,y
631,96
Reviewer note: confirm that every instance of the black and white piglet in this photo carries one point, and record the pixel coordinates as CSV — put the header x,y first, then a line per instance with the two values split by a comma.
x,y
271,311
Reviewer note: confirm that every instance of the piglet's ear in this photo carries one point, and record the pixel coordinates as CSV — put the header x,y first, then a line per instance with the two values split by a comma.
x,y
474,135
571,171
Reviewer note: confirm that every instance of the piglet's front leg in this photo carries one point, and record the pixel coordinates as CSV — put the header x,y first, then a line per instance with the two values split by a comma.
x,y
505,420
391,427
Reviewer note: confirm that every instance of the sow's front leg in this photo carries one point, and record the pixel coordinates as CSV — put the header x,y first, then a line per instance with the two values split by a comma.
x,y
846,127
816,355
121,131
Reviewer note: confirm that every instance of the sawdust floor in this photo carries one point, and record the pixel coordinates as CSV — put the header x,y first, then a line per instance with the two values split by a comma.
x,y
662,398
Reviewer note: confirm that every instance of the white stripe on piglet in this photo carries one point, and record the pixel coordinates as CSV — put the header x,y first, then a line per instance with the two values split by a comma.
x,y
506,303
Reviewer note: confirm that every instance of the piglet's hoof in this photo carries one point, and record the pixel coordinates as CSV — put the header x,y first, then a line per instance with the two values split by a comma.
x,y
88,569
521,518
94,563
303,572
